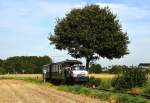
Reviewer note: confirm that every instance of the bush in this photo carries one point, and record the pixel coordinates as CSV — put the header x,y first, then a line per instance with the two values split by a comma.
x,y
93,82
2,71
105,83
147,88
95,68
130,78
117,69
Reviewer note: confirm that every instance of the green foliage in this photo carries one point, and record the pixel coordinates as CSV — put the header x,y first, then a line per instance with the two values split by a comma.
x,y
124,98
147,88
2,70
117,69
103,95
95,68
105,83
1,62
26,64
93,82
90,30
147,71
130,78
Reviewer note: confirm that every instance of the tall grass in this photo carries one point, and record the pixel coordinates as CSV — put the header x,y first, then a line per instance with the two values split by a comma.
x,y
107,96
106,83
146,88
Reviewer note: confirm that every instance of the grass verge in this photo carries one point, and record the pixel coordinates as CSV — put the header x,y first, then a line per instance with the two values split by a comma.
x,y
103,95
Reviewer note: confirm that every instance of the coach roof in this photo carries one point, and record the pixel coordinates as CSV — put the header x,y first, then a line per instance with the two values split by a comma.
x,y
66,62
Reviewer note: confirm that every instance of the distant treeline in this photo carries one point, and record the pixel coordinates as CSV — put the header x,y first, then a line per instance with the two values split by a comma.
x,y
23,64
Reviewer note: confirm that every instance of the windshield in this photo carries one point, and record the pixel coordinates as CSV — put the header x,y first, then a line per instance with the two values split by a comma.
x,y
78,68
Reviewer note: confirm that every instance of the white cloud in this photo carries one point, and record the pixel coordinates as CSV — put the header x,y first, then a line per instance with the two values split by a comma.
x,y
126,12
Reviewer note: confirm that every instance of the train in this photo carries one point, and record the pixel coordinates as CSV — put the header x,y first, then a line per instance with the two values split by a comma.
x,y
66,71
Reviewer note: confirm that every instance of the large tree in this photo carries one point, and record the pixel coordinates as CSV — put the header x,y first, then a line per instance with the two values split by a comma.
x,y
90,32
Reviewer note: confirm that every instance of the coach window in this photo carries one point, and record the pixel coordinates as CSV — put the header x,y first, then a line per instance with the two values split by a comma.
x,y
48,69
58,68
54,68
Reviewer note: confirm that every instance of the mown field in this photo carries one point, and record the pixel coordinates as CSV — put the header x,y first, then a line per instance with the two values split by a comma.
x,y
22,76
90,95
29,88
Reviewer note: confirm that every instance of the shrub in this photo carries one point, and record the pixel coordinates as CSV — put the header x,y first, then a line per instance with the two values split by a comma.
x,y
130,78
147,88
95,68
117,69
118,82
106,83
93,82
2,70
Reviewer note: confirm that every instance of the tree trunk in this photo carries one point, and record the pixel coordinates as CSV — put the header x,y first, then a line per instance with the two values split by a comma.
x,y
87,63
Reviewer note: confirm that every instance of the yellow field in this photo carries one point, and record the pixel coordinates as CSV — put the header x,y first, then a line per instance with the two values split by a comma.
x,y
39,76
20,91
102,75
15,76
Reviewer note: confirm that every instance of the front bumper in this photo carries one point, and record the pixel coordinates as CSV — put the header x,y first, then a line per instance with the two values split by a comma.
x,y
81,79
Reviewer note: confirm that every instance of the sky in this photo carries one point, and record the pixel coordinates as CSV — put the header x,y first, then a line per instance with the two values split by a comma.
x,y
25,26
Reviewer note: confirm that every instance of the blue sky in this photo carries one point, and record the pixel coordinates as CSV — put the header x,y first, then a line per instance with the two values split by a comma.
x,y
25,26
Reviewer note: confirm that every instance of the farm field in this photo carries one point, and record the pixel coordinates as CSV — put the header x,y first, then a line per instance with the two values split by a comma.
x,y
18,91
39,76
19,76
109,76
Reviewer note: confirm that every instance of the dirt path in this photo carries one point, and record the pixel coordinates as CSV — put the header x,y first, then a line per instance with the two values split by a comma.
x,y
16,91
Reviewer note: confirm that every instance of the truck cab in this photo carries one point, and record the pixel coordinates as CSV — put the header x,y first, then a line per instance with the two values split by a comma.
x,y
79,73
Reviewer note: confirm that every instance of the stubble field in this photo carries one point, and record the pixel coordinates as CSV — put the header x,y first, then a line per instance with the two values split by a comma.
x,y
19,91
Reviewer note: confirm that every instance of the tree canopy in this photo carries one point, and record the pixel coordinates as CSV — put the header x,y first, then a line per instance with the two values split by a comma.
x,y
95,68
90,32
24,64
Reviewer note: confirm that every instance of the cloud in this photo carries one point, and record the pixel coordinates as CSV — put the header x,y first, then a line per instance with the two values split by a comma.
x,y
124,11
127,12
26,18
